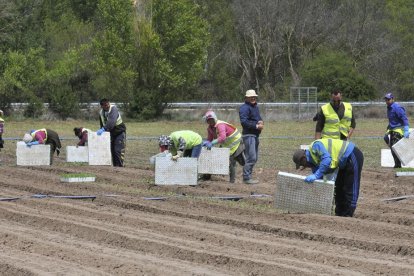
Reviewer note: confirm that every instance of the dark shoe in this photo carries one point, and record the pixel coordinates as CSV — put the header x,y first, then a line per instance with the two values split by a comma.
x,y
232,180
206,176
250,181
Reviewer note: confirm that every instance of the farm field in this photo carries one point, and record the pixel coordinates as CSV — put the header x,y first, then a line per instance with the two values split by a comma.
x,y
188,231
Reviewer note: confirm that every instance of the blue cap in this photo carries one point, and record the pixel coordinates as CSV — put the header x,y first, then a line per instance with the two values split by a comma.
x,y
389,96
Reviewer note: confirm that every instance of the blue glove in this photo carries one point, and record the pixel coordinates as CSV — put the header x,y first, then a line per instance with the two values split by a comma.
x,y
100,131
310,178
406,132
32,143
207,144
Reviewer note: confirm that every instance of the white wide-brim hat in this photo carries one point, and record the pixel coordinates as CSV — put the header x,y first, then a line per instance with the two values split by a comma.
x,y
251,93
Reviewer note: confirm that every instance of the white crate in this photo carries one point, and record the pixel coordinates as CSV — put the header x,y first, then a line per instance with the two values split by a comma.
x,y
214,161
99,149
294,195
36,155
77,154
404,149
180,172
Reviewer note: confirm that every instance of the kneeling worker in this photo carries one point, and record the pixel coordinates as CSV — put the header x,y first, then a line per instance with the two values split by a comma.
x,y
326,155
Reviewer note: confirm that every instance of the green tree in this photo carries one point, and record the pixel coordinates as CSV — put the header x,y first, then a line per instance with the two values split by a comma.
x,y
64,93
329,70
400,23
222,76
23,76
150,89
184,39
113,50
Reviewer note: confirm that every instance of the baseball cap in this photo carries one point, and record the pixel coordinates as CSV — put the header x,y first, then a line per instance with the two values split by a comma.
x,y
388,96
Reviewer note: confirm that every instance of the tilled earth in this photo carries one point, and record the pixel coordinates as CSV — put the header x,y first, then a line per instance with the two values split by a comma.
x,y
189,232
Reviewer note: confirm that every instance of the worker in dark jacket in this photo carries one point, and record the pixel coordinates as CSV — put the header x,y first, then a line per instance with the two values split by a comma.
x,y
327,155
335,119
111,120
252,124
398,126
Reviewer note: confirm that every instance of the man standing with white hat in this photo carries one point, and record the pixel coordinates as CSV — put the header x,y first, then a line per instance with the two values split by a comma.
x,y
252,124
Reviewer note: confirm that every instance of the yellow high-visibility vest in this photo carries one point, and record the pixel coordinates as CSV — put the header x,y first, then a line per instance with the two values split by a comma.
x,y
333,126
336,148
232,141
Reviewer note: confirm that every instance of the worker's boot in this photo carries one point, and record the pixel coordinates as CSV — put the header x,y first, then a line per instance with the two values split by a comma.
x,y
232,169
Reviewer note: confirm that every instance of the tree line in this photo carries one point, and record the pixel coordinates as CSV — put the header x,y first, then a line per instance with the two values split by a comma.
x,y
147,53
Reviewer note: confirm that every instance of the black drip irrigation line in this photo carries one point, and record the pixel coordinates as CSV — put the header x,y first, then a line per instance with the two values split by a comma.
x,y
398,198
42,196
233,197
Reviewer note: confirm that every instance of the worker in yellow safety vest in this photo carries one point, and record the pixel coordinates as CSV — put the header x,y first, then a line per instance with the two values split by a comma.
x,y
225,135
335,119
324,156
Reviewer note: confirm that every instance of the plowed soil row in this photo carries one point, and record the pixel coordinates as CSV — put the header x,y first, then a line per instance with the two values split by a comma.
x,y
187,231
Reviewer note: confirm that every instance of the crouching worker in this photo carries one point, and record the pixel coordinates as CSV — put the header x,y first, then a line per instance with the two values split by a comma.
x,y
228,136
44,136
182,143
326,155
82,134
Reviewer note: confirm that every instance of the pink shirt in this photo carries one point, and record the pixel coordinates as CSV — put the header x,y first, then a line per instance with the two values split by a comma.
x,y
224,131
40,136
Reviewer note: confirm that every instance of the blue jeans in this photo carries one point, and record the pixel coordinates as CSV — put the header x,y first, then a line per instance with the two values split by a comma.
x,y
251,152
194,152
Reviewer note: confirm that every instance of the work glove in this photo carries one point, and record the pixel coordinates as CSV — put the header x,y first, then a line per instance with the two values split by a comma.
x,y
207,144
32,143
100,131
406,132
178,155
310,178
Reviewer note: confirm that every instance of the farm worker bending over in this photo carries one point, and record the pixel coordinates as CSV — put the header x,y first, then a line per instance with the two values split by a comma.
x,y
111,120
44,136
252,124
1,129
226,135
326,155
82,134
182,143
398,126
335,119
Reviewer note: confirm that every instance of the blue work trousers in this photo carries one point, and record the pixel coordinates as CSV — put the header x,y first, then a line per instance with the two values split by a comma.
x,y
118,149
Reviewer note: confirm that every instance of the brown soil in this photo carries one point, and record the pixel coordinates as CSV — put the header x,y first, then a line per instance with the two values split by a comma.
x,y
189,233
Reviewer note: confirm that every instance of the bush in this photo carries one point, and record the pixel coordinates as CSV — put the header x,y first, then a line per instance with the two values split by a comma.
x,y
330,70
